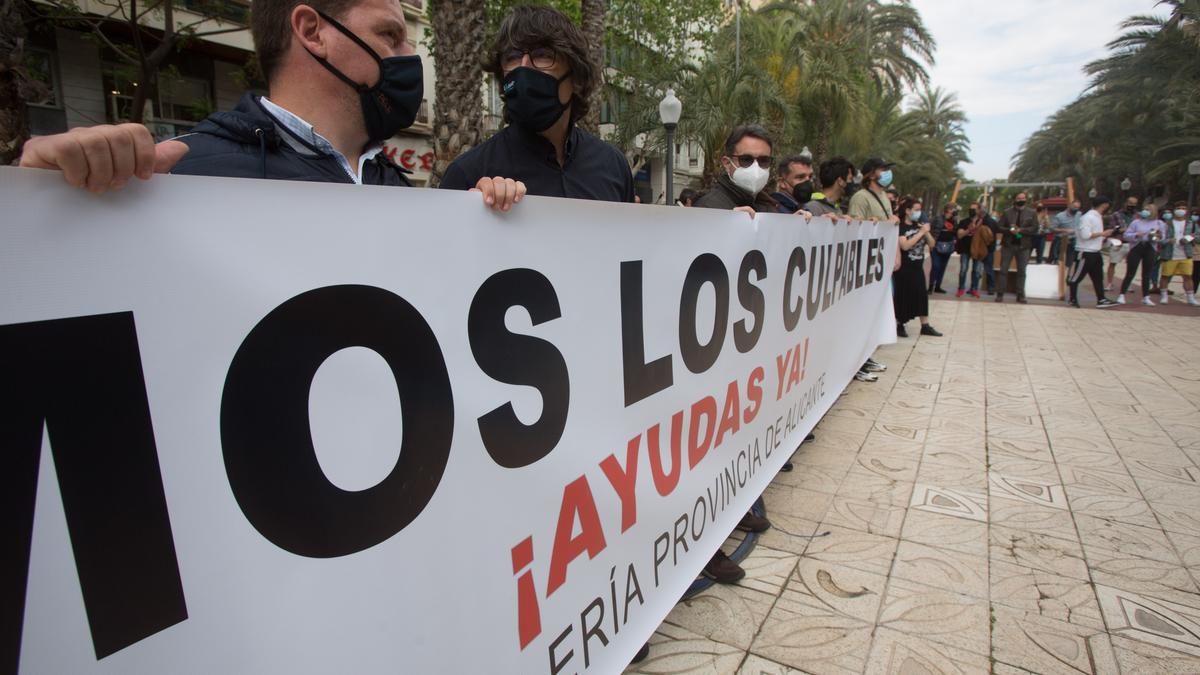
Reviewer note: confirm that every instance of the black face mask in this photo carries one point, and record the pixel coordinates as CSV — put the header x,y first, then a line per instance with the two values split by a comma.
x,y
1074,210
972,212
392,104
531,98
803,192
1020,203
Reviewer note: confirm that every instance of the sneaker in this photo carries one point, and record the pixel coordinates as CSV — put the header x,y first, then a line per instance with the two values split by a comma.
x,y
1073,303
1021,300
960,293
1000,298
1105,303
787,467
974,294
1192,301
809,438
1162,299
901,331
1147,301
1121,299
873,366
939,289
930,331
864,376
753,523
723,570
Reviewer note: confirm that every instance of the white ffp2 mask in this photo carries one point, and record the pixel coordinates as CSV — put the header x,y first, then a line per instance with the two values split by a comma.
x,y
752,178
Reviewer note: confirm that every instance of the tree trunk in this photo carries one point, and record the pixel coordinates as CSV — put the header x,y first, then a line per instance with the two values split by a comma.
x,y
14,118
594,13
458,29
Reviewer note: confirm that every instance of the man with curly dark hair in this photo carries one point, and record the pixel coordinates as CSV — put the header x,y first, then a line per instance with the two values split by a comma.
x,y
547,76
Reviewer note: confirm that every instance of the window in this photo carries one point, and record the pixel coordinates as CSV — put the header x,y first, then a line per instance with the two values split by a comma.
x,y
43,68
181,102
46,114
232,11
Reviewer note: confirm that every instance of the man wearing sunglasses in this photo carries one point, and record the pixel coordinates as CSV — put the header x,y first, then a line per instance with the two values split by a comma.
x,y
542,61
747,169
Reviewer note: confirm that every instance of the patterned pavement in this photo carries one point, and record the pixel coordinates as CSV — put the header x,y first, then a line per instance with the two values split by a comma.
x,y
1021,495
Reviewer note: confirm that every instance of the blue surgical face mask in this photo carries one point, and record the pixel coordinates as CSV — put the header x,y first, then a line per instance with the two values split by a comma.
x,y
1144,213
1166,215
916,215
1196,218
885,178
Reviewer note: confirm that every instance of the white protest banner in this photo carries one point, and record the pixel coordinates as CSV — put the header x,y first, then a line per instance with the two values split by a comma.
x,y
269,427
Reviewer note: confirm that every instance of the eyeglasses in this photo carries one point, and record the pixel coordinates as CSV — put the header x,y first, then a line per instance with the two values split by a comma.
x,y
744,161
542,58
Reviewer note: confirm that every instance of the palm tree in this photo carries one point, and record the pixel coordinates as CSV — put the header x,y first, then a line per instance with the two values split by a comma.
x,y
458,29
1140,116
593,13
843,48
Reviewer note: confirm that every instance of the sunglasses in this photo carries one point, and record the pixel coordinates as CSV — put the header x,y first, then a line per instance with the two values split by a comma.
x,y
744,161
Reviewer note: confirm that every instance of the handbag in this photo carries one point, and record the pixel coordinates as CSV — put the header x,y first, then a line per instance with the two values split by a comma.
x,y
944,247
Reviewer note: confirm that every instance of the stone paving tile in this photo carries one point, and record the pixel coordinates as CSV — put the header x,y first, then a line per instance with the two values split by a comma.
x,y
1144,542
860,550
678,651
1141,575
1049,595
869,517
941,616
942,569
1136,657
946,532
757,665
1018,497
1042,645
1037,551
896,652
971,478
726,614
1171,625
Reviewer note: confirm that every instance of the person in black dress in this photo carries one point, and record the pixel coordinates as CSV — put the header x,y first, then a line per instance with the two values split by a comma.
x,y
910,298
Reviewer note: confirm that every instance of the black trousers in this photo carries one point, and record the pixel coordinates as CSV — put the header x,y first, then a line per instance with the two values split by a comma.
x,y
1089,263
1007,253
1141,254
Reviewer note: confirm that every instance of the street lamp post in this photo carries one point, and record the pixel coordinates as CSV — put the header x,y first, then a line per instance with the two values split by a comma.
x,y
1194,172
669,110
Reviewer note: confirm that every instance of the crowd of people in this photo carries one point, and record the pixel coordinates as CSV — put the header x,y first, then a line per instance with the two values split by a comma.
x,y
343,78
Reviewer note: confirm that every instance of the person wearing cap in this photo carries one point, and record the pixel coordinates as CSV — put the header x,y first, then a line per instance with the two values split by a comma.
x,y
1088,240
1018,226
872,202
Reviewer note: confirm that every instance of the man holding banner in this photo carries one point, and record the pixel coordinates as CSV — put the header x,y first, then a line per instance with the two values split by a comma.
x,y
343,79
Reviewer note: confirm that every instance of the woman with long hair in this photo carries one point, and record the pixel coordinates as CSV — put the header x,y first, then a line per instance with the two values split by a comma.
x,y
910,299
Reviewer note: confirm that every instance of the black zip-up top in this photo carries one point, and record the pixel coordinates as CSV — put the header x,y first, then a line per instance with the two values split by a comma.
x,y
245,143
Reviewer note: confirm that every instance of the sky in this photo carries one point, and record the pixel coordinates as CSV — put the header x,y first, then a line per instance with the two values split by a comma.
x,y
1015,62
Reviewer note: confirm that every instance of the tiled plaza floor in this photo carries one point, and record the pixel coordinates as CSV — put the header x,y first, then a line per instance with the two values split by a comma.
x,y
1022,494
